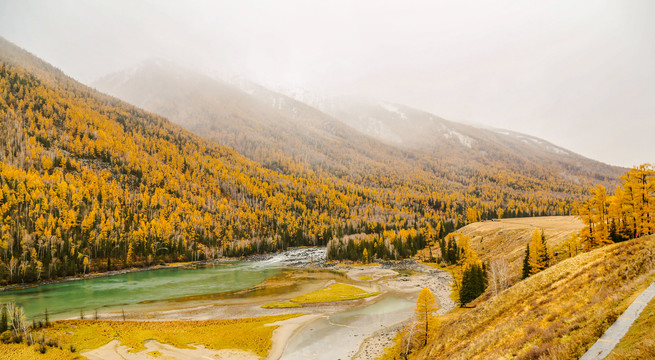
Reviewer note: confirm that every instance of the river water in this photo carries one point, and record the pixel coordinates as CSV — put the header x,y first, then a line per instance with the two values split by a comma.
x,y
130,290
338,336
111,293
115,292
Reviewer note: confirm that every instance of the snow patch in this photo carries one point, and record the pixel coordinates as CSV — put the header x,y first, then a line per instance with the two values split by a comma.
x,y
558,151
378,129
463,139
393,109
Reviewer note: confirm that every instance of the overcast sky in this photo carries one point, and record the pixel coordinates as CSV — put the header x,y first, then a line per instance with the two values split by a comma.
x,y
580,74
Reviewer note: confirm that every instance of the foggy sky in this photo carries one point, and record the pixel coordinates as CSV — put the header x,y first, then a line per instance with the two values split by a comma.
x,y
580,74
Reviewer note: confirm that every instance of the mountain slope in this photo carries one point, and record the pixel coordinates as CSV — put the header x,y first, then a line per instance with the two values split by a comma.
x,y
90,183
290,136
507,238
414,129
249,122
556,314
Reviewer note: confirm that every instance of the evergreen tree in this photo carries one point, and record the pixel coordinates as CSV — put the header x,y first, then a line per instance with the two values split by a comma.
x,y
526,262
473,283
538,253
545,256
3,320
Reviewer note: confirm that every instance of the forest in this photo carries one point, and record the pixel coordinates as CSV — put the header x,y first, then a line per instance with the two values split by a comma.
x,y
88,184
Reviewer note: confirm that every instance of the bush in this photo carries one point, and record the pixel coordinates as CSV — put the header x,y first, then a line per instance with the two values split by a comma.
x,y
6,337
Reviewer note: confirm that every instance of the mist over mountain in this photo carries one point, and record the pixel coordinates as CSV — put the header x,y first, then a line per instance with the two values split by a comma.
x,y
263,125
410,128
345,135
247,181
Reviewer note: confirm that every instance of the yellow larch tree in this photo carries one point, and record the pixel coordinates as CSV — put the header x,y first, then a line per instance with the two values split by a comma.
x,y
539,257
425,311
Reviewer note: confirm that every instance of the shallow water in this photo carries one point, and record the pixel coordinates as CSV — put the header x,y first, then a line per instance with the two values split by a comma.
x,y
335,336
339,336
112,293
64,300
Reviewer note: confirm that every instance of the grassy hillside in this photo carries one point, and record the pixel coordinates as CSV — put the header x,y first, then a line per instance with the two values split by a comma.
x,y
555,314
507,238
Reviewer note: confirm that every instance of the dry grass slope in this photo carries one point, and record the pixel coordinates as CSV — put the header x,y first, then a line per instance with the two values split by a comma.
x,y
556,314
507,238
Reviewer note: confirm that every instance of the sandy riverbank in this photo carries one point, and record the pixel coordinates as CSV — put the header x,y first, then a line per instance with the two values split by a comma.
x,y
405,279
154,349
286,329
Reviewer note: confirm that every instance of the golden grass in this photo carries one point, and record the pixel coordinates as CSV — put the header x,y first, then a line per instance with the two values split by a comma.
x,y
22,351
244,334
365,278
392,352
281,305
181,263
508,237
639,342
558,313
334,292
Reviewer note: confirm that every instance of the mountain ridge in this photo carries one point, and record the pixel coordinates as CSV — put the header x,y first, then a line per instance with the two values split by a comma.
x,y
500,142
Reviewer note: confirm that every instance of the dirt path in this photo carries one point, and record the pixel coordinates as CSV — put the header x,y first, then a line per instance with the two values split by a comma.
x,y
613,335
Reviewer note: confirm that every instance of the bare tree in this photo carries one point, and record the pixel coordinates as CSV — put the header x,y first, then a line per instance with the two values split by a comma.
x,y
17,321
409,340
499,275
13,264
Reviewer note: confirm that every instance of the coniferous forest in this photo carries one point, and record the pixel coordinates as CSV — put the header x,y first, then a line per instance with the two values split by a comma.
x,y
91,184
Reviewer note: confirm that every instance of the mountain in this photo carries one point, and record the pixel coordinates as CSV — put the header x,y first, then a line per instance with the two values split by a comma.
x,y
409,128
276,131
391,148
90,183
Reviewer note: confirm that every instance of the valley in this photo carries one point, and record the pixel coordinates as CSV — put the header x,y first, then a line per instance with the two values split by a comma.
x,y
326,180
242,290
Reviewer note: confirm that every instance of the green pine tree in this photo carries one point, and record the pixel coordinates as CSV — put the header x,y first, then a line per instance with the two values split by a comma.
x,y
3,320
546,254
526,262
473,283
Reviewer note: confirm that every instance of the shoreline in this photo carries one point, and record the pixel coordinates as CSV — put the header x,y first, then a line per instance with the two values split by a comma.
x,y
405,278
95,275
317,262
